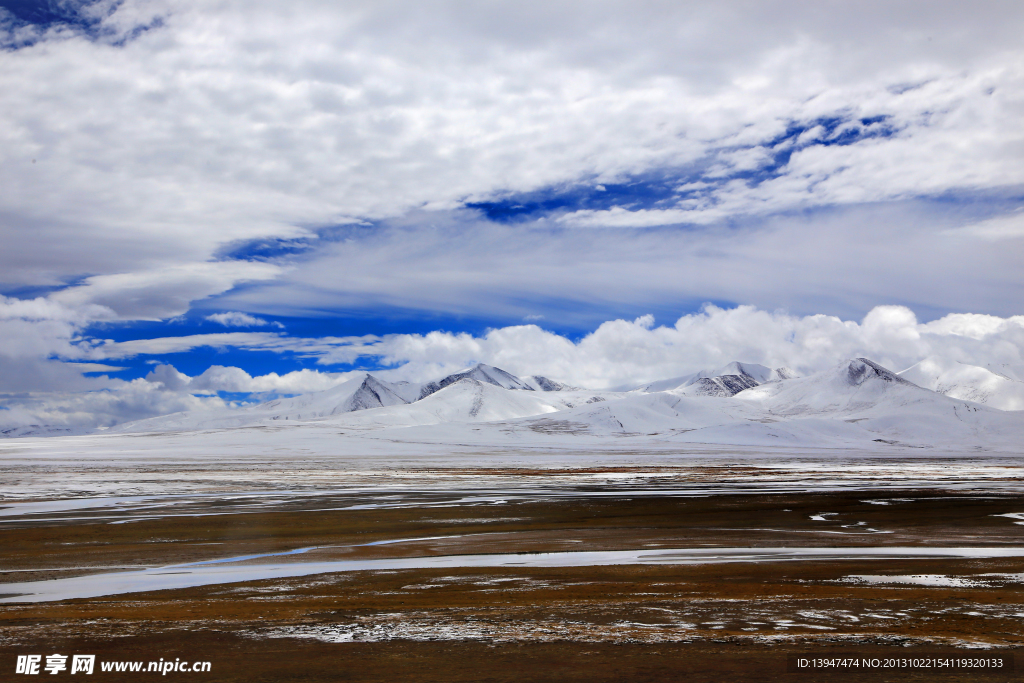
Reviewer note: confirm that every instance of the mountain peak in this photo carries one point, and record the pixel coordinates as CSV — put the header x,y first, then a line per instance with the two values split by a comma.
x,y
487,374
860,370
759,373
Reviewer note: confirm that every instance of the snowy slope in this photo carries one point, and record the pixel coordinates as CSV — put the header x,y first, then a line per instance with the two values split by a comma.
x,y
667,384
539,383
968,382
361,393
466,400
725,381
657,413
871,398
849,386
723,385
39,430
858,403
481,393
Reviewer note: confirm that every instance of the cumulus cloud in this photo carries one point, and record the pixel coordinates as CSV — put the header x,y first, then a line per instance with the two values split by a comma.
x,y
164,390
219,378
83,411
35,334
622,352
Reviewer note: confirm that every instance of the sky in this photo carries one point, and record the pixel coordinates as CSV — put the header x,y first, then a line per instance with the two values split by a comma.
x,y
210,203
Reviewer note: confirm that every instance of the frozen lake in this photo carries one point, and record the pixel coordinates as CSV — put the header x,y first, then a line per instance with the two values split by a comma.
x,y
231,570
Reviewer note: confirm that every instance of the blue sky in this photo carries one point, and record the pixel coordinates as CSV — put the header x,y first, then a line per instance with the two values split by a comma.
x,y
268,196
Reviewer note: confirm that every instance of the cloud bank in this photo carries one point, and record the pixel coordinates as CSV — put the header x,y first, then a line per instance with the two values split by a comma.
x,y
623,353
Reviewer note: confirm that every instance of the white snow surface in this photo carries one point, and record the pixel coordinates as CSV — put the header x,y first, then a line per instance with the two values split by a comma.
x,y
539,383
997,388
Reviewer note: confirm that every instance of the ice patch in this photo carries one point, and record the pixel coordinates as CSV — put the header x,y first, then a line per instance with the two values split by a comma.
x,y
932,580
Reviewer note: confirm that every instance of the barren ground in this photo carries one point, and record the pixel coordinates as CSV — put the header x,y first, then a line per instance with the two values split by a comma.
x,y
715,622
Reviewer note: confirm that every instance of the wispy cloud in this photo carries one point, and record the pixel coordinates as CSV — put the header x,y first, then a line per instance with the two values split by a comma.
x,y
841,261
237,319
1008,227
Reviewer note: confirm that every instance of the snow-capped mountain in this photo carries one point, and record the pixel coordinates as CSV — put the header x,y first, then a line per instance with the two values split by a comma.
x,y
361,393
467,400
491,387
890,408
725,381
488,374
994,388
857,403
851,385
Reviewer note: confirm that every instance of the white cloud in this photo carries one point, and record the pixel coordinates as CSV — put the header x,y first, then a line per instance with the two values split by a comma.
x,y
974,325
237,319
106,349
164,390
621,352
96,367
164,292
842,262
102,408
34,333
233,121
220,378
995,229
618,217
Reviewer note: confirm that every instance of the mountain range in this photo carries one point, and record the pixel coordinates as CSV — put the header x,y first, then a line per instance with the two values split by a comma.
x,y
856,403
